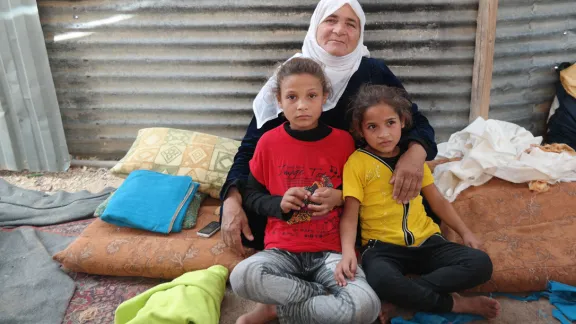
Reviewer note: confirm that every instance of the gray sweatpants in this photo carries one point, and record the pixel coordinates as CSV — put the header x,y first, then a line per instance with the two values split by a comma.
x,y
303,287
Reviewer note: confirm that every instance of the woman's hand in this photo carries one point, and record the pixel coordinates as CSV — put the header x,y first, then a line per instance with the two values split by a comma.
x,y
234,222
408,174
294,199
327,199
346,268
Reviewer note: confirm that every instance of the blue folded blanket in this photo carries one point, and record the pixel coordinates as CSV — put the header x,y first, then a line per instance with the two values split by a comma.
x,y
151,201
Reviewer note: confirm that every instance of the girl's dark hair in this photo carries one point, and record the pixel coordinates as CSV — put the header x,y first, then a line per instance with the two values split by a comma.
x,y
371,95
301,65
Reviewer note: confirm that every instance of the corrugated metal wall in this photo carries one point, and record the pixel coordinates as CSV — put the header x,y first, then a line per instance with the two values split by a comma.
x,y
120,66
531,38
31,131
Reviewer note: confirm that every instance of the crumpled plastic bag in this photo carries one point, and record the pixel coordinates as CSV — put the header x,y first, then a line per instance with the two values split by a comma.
x,y
493,148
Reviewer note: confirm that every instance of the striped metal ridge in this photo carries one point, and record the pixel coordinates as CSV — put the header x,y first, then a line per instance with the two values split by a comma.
x,y
119,66
531,38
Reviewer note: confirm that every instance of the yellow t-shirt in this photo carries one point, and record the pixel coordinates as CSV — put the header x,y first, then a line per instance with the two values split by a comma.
x,y
366,178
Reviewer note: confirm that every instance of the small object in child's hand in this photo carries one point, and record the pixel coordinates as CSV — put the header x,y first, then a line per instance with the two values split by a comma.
x,y
209,229
311,189
305,215
324,183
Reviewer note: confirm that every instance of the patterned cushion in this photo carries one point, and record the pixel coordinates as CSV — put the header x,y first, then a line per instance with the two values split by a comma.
x,y
106,249
206,158
189,219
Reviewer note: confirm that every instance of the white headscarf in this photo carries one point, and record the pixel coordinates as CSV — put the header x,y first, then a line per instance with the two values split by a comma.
x,y
338,69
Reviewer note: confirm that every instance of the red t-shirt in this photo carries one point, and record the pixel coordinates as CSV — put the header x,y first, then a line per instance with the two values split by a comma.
x,y
281,162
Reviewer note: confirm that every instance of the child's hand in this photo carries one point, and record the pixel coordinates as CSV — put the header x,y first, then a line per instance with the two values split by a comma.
x,y
471,240
294,199
327,199
346,267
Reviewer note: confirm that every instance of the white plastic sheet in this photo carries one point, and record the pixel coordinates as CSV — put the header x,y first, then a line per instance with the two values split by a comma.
x,y
493,148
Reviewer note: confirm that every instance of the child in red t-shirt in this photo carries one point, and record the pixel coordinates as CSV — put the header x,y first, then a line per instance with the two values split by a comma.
x,y
293,278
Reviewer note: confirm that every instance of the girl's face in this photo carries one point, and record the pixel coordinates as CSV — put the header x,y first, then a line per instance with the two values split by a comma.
x,y
339,33
301,98
382,129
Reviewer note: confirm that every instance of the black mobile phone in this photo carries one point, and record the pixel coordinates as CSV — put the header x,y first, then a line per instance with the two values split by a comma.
x,y
209,229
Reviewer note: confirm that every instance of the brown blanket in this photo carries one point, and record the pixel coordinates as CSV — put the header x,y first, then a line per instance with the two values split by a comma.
x,y
529,236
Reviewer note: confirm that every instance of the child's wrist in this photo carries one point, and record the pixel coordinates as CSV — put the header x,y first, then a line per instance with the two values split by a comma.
x,y
340,198
348,251
464,232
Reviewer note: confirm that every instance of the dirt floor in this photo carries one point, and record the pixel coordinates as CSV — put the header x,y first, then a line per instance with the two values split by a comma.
x,y
76,179
94,180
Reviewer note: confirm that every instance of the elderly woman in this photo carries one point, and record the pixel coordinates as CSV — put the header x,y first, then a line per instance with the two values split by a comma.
x,y
335,38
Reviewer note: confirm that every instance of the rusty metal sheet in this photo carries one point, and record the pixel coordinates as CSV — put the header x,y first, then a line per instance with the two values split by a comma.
x,y
531,38
123,65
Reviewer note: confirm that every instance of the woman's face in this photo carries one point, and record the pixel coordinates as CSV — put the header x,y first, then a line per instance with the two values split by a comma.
x,y
339,33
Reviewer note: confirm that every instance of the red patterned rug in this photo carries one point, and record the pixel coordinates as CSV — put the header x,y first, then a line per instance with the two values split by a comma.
x,y
97,297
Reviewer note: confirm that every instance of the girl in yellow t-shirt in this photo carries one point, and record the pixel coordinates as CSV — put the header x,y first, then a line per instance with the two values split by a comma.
x,y
400,238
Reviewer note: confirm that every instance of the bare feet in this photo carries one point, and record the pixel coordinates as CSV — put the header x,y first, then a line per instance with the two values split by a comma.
x,y
480,305
387,311
260,315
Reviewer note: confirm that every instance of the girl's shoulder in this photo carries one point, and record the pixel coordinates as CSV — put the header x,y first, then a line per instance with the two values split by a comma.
x,y
357,157
357,163
343,139
272,136
340,133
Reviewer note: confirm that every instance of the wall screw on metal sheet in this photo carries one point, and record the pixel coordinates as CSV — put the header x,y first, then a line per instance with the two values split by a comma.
x,y
75,17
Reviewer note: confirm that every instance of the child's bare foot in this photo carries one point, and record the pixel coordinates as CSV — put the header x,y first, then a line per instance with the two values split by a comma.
x,y
480,305
387,311
260,315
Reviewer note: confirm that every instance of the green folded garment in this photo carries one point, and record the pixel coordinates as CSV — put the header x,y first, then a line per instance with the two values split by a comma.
x,y
192,298
192,212
189,219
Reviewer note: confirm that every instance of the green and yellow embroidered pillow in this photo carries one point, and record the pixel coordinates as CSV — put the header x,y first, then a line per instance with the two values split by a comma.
x,y
206,158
